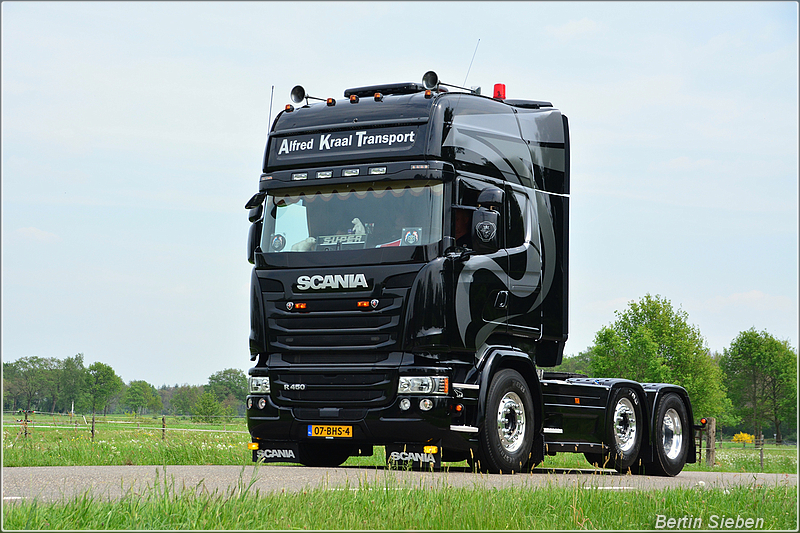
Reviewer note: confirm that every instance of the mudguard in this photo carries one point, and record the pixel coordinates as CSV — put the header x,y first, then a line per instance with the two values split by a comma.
x,y
491,359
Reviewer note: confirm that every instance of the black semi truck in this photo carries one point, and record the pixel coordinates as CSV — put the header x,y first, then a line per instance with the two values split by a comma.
x,y
410,246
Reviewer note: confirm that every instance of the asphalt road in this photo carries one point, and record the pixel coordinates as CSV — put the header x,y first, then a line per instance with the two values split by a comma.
x,y
54,483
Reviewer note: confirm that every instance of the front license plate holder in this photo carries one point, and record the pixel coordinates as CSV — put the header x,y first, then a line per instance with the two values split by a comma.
x,y
327,431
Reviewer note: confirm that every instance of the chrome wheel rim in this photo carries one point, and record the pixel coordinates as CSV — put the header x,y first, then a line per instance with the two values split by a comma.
x,y
624,425
511,422
672,434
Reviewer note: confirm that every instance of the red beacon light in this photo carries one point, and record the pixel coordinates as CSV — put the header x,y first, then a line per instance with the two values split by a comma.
x,y
500,91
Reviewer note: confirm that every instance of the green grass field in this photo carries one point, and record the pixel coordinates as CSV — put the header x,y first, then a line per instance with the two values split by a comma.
x,y
141,441
387,505
390,505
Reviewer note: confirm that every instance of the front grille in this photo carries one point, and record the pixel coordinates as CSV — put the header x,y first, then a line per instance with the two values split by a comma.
x,y
310,389
335,325
341,396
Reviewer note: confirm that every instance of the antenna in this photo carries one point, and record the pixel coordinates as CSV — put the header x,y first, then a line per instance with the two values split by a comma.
x,y
470,63
269,120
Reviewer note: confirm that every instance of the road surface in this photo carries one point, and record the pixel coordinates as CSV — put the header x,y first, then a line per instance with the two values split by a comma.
x,y
58,483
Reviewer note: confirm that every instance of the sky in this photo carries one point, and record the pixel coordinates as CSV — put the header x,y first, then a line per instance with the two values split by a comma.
x,y
133,134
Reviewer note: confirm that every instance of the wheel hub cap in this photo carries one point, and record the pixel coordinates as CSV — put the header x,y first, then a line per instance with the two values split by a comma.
x,y
624,425
672,440
511,422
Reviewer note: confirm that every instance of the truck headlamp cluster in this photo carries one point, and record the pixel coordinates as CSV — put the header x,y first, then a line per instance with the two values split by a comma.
x,y
423,385
259,385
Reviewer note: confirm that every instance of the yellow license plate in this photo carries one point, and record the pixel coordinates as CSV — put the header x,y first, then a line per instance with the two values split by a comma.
x,y
344,432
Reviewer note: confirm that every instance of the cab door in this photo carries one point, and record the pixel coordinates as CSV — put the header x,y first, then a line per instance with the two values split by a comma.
x,y
481,282
524,264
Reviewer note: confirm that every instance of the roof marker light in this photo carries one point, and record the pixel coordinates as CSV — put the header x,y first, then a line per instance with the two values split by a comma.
x,y
353,98
289,108
331,102
378,97
428,93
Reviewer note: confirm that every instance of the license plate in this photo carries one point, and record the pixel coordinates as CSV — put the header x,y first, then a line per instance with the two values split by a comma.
x,y
334,432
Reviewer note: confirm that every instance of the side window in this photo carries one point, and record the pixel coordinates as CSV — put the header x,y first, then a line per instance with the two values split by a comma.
x,y
466,202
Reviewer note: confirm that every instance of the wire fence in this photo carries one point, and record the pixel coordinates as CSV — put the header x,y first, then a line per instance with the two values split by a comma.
x,y
26,421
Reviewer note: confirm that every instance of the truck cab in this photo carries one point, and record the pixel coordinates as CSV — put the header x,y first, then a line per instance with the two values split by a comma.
x,y
410,280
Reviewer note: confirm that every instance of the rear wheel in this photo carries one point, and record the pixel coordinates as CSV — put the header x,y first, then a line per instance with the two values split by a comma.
x,y
317,454
624,429
596,459
507,434
672,434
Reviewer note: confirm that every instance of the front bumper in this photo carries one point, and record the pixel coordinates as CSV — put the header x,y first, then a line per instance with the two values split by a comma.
x,y
449,421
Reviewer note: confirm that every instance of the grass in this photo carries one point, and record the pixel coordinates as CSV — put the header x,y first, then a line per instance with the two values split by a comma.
x,y
391,504
52,441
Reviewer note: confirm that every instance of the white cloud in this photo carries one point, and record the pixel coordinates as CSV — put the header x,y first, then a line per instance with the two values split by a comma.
x,y
754,300
574,28
36,235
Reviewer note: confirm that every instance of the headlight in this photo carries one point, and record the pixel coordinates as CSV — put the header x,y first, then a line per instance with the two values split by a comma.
x,y
423,385
259,385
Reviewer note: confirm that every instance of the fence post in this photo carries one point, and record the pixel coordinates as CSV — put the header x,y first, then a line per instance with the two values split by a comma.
x,y
25,425
163,428
92,427
711,436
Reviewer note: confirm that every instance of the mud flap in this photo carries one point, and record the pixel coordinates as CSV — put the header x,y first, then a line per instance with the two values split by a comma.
x,y
418,456
277,452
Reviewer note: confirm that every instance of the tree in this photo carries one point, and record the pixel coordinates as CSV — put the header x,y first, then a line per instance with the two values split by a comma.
x,y
207,408
72,378
230,381
140,395
100,385
577,364
184,399
651,342
31,381
762,373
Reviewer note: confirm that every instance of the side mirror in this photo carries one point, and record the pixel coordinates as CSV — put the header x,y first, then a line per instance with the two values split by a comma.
x,y
484,231
258,198
256,213
254,241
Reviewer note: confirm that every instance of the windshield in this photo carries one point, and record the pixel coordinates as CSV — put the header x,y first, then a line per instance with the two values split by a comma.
x,y
353,216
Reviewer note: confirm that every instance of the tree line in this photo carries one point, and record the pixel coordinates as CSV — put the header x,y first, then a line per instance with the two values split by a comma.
x,y
66,385
751,385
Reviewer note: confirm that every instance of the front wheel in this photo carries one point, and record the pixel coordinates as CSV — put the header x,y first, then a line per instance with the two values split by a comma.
x,y
507,434
672,434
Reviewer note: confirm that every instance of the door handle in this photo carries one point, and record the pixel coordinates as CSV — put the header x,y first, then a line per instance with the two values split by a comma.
x,y
502,300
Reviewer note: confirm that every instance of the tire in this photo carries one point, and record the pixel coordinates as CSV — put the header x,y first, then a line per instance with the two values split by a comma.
x,y
624,428
316,454
596,459
671,437
508,429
